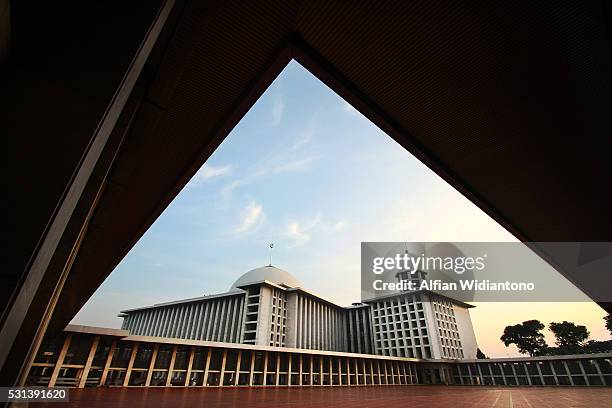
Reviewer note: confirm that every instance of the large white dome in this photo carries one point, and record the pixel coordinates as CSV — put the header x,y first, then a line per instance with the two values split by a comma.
x,y
269,273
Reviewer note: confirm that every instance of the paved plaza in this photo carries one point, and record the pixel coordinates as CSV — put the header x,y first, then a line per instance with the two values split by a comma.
x,y
384,397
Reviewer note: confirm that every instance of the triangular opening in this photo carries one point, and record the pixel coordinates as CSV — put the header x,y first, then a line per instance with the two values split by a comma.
x,y
306,171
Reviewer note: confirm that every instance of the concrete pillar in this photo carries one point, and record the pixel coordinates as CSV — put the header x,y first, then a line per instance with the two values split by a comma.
x,y
109,360
222,373
601,377
482,382
540,373
289,363
171,367
386,373
277,375
265,368
90,357
321,369
301,368
584,375
311,372
237,372
348,371
152,365
214,318
232,322
128,372
189,366
204,323
527,372
569,374
252,368
60,361
552,369
207,366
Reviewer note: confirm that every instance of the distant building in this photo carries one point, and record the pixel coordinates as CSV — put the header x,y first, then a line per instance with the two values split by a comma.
x,y
268,307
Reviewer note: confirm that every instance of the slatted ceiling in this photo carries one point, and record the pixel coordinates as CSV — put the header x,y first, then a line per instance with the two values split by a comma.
x,y
442,104
498,93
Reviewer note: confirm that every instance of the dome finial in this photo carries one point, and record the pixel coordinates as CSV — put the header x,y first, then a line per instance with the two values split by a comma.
x,y
271,248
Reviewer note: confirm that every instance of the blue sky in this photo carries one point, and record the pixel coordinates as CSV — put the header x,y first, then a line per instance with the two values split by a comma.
x,y
305,170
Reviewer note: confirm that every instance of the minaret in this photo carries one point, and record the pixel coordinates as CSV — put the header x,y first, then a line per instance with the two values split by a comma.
x,y
415,278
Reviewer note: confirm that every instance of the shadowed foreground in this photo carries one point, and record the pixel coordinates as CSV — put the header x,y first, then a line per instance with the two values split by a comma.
x,y
387,397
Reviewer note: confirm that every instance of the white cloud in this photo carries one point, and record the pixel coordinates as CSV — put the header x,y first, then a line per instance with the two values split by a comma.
x,y
300,231
208,172
279,168
295,231
292,166
305,135
340,225
252,217
277,111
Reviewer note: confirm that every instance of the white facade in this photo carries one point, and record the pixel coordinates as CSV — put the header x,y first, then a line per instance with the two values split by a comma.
x,y
267,307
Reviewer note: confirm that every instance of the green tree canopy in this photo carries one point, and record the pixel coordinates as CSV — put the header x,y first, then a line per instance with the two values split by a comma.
x,y
527,337
608,320
570,338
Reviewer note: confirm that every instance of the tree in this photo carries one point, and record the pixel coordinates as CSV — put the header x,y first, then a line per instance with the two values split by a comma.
x,y
570,338
480,354
594,346
526,336
608,320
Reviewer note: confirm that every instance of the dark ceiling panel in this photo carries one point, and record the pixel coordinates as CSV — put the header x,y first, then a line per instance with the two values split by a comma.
x,y
506,97
509,102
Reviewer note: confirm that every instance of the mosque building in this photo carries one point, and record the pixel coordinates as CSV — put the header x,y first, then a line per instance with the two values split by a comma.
x,y
267,306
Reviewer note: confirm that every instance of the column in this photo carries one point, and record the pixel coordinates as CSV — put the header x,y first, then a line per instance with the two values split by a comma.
x,y
371,372
90,356
540,373
301,358
237,372
321,369
265,368
277,377
311,371
152,365
348,371
501,369
109,360
567,370
222,374
171,367
516,380
290,357
128,372
586,378
60,361
527,372
189,366
481,376
552,369
206,367
252,368
601,377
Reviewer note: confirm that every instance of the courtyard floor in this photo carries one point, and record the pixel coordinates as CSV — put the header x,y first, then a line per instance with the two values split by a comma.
x,y
383,397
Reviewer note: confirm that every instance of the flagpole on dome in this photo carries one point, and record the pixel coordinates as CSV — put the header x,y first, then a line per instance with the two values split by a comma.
x,y
271,247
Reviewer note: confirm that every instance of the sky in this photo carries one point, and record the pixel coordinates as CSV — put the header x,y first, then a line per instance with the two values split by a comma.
x,y
305,170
